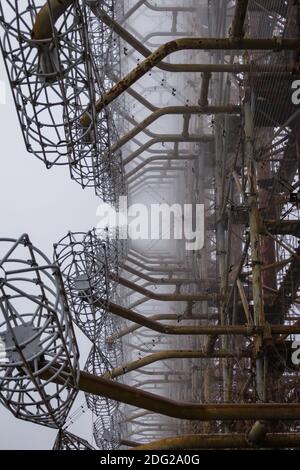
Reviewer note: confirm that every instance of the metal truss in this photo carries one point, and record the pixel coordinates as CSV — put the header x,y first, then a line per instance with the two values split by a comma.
x,y
201,337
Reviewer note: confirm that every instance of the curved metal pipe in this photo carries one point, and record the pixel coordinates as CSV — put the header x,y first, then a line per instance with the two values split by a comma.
x,y
276,44
162,316
164,138
175,110
47,17
246,330
161,158
196,297
139,46
171,354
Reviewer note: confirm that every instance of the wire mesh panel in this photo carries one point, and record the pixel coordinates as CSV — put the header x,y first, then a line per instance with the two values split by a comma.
x,y
37,338
105,50
108,430
55,83
107,344
105,43
82,260
115,250
97,364
68,441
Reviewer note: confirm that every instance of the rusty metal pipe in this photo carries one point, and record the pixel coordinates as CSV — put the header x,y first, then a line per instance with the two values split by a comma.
x,y
160,281
257,433
47,17
175,110
237,27
197,297
181,158
183,410
192,68
162,316
172,354
246,330
221,441
167,138
203,101
167,267
129,443
276,44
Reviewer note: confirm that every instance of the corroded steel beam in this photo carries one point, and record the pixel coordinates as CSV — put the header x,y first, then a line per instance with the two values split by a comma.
x,y
283,227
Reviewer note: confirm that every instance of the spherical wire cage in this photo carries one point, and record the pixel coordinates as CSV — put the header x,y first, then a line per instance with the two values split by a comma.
x,y
82,261
115,251
108,431
108,341
47,76
97,364
55,83
105,50
39,367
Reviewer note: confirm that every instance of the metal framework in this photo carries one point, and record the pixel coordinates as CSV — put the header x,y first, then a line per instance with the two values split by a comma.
x,y
202,339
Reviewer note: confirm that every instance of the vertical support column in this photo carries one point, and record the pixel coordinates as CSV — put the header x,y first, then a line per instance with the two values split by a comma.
x,y
218,30
255,225
221,242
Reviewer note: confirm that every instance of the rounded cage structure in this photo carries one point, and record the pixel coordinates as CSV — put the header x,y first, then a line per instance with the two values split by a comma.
x,y
82,260
68,441
108,431
111,348
105,43
55,82
47,69
39,368
97,364
105,49
116,247
111,180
